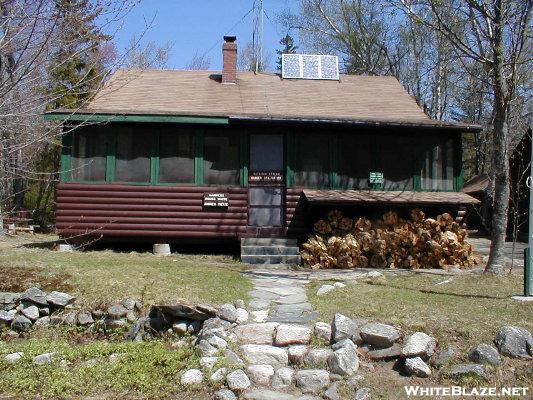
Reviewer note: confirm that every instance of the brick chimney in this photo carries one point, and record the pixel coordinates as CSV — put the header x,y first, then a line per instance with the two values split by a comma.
x,y
229,56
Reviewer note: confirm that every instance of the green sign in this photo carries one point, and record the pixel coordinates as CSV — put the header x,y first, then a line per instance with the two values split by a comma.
x,y
376,178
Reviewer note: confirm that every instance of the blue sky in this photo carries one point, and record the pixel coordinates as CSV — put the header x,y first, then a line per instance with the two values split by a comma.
x,y
198,26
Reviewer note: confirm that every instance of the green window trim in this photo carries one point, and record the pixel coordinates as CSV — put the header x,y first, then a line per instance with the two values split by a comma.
x,y
244,158
199,157
154,160
289,156
111,158
180,119
66,160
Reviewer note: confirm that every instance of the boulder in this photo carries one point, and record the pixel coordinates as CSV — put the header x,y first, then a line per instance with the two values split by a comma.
x,y
85,319
264,354
292,334
225,394
198,312
344,360
362,394
8,300
419,344
260,374
228,312
21,324
374,274
13,357
464,370
180,326
192,377
43,321
34,295
46,358
318,357
514,342
259,315
342,328
324,289
379,335
195,326
298,353
323,331
208,362
339,285
116,311
283,378
261,333
234,359
6,318
206,349
485,354
442,357
417,367
219,375
242,316
333,392
217,342
239,304
238,381
312,380
387,353
129,304
264,394
59,299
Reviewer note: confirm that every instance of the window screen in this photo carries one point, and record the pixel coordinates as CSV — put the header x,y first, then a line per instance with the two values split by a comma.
x,y
133,155
221,159
355,160
311,160
176,157
88,161
436,162
394,157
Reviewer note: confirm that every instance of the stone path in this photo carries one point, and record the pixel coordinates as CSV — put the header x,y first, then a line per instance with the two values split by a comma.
x,y
482,247
283,293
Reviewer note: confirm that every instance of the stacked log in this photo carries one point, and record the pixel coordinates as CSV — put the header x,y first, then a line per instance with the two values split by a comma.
x,y
389,242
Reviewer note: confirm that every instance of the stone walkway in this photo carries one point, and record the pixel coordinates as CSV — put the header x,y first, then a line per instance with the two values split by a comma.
x,y
283,293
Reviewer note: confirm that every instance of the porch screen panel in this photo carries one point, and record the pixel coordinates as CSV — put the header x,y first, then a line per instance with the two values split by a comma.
x,y
311,160
133,155
221,159
394,158
176,157
88,161
435,162
355,160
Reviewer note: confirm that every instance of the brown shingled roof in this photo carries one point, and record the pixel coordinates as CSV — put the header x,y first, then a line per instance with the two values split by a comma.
x,y
200,93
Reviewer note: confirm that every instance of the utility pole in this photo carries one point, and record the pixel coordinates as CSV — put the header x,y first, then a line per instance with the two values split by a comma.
x,y
528,256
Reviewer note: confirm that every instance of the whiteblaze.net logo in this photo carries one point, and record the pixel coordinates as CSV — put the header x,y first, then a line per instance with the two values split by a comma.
x,y
459,391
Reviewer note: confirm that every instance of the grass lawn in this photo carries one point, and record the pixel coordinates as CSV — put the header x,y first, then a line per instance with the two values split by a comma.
x,y
104,276
461,313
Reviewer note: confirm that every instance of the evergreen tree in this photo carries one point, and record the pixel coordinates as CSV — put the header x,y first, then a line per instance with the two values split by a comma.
x,y
288,48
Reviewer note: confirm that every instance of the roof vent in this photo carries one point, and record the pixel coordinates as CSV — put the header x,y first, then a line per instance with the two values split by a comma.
x,y
309,66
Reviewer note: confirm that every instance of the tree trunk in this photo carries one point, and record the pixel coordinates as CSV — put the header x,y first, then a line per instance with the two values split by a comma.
x,y
500,158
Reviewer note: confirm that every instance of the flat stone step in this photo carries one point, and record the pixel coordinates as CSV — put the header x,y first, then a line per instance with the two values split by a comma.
x,y
270,250
268,242
271,259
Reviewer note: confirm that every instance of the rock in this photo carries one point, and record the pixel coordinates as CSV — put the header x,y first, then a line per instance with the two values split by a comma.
x,y
217,342
259,315
192,377
292,334
283,378
264,394
228,312
354,381
264,354
379,335
44,311
417,367
514,342
116,311
46,358
219,375
198,312
97,314
324,289
59,299
238,381
116,357
342,328
239,304
442,357
332,393
262,333
385,354
43,321
6,318
35,295
225,394
11,334
318,357
344,360
297,354
312,380
131,316
419,344
112,324
234,359
180,326
13,357
242,316
128,304
362,394
21,324
339,285
206,349
260,374
323,331
8,300
374,274
70,318
208,362
194,327
462,370
485,354
85,319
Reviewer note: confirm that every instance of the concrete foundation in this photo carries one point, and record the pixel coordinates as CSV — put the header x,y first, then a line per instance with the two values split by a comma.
x,y
161,249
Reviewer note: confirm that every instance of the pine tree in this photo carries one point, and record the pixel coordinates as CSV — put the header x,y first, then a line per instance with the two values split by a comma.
x,y
288,48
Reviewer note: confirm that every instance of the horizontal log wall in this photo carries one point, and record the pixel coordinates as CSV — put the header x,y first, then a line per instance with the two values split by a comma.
x,y
148,211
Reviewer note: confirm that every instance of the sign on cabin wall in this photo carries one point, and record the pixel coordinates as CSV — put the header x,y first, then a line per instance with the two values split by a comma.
x,y
376,178
265,177
216,200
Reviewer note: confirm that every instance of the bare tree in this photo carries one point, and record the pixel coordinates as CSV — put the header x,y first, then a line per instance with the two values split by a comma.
x,y
198,62
149,55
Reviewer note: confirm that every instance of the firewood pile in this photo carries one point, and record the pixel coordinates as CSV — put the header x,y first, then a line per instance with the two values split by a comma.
x,y
390,242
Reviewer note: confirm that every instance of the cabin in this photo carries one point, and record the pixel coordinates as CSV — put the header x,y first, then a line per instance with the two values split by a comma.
x,y
178,156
